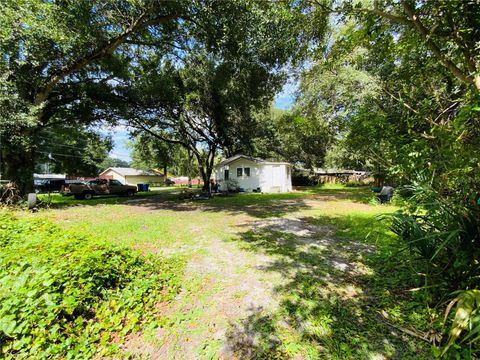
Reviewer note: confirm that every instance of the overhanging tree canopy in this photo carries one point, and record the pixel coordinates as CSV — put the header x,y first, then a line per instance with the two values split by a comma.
x,y
64,61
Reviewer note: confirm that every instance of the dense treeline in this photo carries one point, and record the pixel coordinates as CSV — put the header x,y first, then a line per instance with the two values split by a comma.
x,y
397,83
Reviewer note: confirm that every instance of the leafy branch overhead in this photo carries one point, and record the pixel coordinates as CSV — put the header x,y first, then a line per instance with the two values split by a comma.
x,y
70,62
441,26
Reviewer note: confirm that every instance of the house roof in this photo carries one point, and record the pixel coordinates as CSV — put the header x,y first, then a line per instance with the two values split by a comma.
x,y
49,176
130,172
250,158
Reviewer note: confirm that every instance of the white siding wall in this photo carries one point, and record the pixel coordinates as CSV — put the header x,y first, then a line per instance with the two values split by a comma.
x,y
142,179
115,176
248,183
268,177
134,179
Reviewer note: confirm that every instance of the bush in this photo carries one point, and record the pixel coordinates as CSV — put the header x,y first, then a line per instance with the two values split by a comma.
x,y
464,333
67,295
232,185
444,233
447,236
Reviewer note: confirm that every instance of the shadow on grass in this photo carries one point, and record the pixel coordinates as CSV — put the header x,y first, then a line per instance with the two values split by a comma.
x,y
254,338
341,297
358,194
57,201
256,205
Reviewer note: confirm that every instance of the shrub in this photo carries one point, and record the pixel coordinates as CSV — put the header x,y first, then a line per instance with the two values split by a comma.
x,y
68,295
446,235
232,185
465,327
443,232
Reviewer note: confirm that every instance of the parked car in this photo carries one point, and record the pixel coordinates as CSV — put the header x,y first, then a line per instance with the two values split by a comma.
x,y
90,188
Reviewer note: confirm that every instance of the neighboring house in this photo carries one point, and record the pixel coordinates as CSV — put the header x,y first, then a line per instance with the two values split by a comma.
x,y
253,174
131,176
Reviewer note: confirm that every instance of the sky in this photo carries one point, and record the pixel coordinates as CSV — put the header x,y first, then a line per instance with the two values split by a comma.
x,y
284,100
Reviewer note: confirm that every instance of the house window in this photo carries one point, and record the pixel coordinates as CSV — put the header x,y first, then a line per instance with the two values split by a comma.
x,y
226,173
239,172
247,171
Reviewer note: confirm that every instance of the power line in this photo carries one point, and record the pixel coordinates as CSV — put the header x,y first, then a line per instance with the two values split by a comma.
x,y
80,148
84,148
57,154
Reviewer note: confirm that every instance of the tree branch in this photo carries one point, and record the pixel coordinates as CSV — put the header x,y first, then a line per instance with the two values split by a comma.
x,y
401,101
459,40
375,10
449,64
140,126
100,52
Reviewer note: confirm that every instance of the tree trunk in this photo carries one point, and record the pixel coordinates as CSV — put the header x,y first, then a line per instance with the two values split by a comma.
x,y
205,166
165,171
206,174
189,169
19,166
205,177
19,155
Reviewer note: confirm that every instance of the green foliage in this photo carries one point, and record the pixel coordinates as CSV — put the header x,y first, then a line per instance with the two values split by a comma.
x,y
71,150
113,162
150,152
445,234
67,295
56,64
90,62
232,185
465,327
296,136
405,108
209,103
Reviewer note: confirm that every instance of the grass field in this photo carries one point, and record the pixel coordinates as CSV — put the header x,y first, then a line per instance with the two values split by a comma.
x,y
309,274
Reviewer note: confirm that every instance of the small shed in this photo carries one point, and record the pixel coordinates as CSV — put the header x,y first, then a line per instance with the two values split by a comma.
x,y
130,176
253,174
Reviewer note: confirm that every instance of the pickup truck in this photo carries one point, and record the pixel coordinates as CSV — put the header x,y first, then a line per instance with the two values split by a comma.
x,y
88,189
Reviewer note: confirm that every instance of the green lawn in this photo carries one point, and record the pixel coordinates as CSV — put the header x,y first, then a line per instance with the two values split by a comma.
x,y
309,274
56,200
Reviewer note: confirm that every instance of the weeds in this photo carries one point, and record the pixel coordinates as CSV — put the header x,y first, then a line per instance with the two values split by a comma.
x,y
443,233
69,295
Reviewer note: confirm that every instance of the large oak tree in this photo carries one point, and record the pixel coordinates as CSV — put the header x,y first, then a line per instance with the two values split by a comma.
x,y
63,62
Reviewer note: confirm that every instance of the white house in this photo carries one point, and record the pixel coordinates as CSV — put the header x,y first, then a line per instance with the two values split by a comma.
x,y
131,176
254,174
